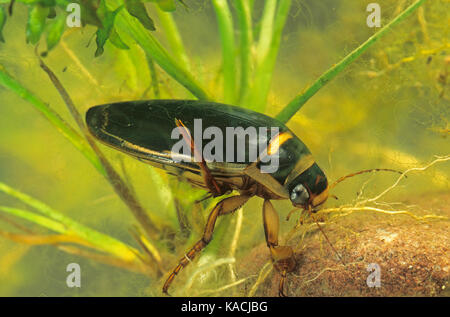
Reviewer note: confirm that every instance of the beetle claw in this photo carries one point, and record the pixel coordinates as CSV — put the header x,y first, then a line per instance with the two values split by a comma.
x,y
281,286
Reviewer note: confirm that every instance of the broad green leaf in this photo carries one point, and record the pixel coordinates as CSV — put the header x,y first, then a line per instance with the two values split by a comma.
x,y
56,29
3,16
36,23
137,9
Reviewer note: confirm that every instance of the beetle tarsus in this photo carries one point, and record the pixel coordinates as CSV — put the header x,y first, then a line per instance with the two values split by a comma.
x,y
282,256
165,292
281,286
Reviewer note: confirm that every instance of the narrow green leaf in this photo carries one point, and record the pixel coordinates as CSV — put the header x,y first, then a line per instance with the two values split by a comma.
x,y
3,16
225,24
37,219
154,77
166,5
173,36
46,3
107,17
52,13
290,109
117,41
88,11
244,13
153,48
266,31
184,4
134,28
63,127
266,58
98,239
36,23
56,29
137,9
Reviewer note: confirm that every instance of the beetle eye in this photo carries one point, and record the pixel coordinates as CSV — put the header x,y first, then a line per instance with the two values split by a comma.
x,y
299,195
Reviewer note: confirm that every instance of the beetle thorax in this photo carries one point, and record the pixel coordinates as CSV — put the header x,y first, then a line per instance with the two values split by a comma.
x,y
255,189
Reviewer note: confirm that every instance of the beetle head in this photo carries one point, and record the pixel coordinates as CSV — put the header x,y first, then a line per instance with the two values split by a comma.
x,y
309,189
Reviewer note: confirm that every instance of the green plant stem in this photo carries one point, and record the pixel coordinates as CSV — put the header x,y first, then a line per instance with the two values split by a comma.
x,y
288,112
225,23
35,218
125,23
266,30
257,98
244,14
154,77
151,46
173,37
100,240
63,127
117,182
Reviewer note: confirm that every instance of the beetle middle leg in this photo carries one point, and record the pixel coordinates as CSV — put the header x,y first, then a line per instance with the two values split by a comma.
x,y
282,256
223,207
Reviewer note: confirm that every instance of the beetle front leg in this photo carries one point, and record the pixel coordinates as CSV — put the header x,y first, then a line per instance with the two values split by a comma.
x,y
282,256
223,207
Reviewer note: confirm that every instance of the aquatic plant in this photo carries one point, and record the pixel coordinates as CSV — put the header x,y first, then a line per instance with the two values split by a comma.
x,y
250,46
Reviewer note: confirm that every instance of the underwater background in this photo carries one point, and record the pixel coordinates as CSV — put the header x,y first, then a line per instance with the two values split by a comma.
x,y
390,108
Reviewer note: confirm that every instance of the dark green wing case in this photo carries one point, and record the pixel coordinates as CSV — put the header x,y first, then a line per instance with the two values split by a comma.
x,y
149,125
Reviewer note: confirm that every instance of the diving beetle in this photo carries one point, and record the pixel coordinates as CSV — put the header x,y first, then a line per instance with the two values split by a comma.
x,y
142,129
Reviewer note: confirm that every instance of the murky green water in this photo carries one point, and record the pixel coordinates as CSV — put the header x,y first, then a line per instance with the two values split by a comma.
x,y
389,109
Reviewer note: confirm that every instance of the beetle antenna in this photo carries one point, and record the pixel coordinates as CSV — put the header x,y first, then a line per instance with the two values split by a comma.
x,y
362,172
290,213
323,232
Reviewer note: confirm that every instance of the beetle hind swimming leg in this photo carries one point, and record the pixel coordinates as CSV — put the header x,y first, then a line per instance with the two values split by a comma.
x,y
282,256
223,207
208,178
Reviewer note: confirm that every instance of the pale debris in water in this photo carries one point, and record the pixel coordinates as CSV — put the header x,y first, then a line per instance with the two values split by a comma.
x,y
386,236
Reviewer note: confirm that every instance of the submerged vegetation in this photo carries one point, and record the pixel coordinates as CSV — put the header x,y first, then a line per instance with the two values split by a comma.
x,y
386,107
